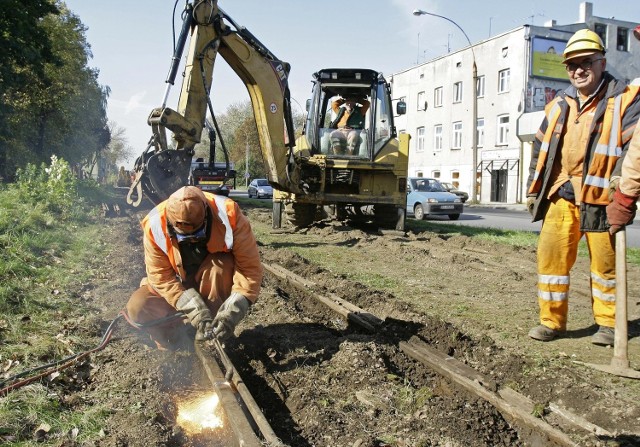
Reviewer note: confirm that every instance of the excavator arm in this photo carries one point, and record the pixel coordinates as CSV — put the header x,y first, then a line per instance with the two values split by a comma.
x,y
160,170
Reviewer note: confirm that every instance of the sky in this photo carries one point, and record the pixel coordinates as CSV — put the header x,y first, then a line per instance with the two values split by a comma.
x,y
132,42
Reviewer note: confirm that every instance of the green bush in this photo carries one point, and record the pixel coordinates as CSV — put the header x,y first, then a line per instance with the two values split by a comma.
x,y
54,186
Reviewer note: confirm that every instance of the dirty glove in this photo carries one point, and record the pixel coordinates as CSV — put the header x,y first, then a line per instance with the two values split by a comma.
x,y
620,211
613,185
231,312
193,306
530,202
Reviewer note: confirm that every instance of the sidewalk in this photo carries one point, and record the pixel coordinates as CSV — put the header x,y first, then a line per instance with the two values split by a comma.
x,y
498,205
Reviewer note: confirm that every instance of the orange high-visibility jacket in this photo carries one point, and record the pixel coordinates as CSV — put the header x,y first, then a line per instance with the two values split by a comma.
x,y
229,230
614,121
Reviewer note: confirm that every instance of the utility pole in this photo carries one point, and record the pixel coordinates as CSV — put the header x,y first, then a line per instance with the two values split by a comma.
x,y
246,166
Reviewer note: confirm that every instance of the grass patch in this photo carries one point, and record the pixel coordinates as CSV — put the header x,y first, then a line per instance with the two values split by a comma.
x,y
51,241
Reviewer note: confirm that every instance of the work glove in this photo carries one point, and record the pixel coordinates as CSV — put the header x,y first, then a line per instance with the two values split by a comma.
x,y
530,202
613,185
193,306
231,312
620,211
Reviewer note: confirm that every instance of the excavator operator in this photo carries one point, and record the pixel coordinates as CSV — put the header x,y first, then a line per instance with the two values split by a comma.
x,y
201,259
349,122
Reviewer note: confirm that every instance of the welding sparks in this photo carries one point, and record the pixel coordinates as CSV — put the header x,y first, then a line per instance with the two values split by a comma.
x,y
198,414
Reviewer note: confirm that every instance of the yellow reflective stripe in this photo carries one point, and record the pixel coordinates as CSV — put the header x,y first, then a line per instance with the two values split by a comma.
x,y
603,282
553,279
603,296
611,149
552,296
594,180
222,214
155,225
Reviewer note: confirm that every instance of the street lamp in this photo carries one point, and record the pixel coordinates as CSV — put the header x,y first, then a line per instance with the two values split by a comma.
x,y
474,126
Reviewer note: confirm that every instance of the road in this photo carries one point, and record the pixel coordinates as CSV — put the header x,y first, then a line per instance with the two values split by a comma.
x,y
515,219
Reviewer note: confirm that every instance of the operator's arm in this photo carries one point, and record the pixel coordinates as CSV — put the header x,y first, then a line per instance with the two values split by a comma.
x,y
247,277
161,277
335,105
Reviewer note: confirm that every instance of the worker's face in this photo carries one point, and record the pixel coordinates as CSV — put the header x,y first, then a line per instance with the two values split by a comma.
x,y
585,72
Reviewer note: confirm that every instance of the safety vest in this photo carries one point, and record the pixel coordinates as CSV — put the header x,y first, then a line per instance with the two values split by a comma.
x,y
603,157
156,229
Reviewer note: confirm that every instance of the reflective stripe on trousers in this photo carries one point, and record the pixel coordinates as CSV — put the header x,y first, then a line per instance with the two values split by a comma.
x,y
557,252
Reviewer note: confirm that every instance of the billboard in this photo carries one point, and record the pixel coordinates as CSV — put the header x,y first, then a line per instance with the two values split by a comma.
x,y
546,58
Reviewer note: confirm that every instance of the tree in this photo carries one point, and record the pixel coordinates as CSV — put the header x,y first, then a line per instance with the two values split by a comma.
x,y
238,128
26,49
59,109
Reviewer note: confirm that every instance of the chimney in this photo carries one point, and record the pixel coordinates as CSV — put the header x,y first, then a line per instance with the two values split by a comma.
x,y
586,12
550,23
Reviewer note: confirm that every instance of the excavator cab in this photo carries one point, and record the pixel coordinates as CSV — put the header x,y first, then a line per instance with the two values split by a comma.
x,y
353,164
348,115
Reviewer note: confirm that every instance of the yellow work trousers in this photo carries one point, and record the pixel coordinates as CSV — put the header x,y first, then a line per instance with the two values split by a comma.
x,y
213,280
557,252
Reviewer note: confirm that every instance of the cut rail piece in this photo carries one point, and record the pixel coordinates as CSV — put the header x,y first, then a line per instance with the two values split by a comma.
x,y
443,364
352,313
514,406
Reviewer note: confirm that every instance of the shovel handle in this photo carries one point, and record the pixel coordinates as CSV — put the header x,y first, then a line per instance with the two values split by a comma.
x,y
620,356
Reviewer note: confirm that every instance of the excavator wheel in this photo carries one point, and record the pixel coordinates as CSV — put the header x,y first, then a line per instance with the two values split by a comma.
x,y
300,214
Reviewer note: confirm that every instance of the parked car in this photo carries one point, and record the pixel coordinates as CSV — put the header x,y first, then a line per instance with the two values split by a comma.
x,y
460,193
260,188
427,196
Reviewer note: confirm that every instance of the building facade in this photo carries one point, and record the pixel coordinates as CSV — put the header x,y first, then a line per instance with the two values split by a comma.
x,y
518,73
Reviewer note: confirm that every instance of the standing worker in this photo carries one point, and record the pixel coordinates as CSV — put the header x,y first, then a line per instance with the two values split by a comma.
x,y
576,160
201,259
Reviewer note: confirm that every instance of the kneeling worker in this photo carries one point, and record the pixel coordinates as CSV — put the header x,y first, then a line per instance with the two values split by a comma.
x,y
201,259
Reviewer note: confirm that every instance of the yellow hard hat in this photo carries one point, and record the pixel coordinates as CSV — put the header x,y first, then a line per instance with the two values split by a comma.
x,y
186,209
583,43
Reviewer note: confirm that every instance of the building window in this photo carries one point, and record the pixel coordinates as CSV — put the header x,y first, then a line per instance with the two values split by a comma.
x,y
457,135
480,87
503,80
480,132
419,174
503,130
622,44
455,177
457,92
437,97
422,104
601,30
420,139
437,137
435,174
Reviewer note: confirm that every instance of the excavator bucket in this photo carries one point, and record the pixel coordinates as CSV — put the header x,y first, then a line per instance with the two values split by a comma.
x,y
159,175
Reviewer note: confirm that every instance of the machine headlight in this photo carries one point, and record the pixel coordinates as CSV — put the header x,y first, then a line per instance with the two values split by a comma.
x,y
432,200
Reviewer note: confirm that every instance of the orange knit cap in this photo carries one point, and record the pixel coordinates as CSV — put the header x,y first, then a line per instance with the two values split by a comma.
x,y
186,209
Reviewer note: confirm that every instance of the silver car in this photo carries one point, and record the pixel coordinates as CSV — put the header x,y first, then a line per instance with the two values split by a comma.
x,y
260,188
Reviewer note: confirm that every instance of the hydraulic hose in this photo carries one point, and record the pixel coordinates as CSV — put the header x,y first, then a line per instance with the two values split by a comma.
x,y
68,361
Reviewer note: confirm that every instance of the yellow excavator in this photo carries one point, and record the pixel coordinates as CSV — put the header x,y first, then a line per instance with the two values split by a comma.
x,y
309,176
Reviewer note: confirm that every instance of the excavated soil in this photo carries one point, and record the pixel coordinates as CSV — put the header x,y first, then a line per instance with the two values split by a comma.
x,y
321,381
